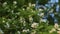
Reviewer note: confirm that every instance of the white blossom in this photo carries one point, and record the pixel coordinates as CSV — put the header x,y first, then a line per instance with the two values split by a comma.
x,y
25,30
18,32
43,20
3,21
29,4
30,19
4,4
7,25
24,23
56,26
40,9
23,9
34,25
14,2
28,8
42,14
59,29
53,29
33,5
22,20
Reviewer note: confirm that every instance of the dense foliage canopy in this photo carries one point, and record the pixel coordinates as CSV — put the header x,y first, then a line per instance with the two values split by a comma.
x,y
20,17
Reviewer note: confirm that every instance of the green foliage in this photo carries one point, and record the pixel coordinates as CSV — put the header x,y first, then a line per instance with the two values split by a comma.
x,y
17,19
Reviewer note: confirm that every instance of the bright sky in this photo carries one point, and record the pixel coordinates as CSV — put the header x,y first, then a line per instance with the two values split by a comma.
x,y
53,1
